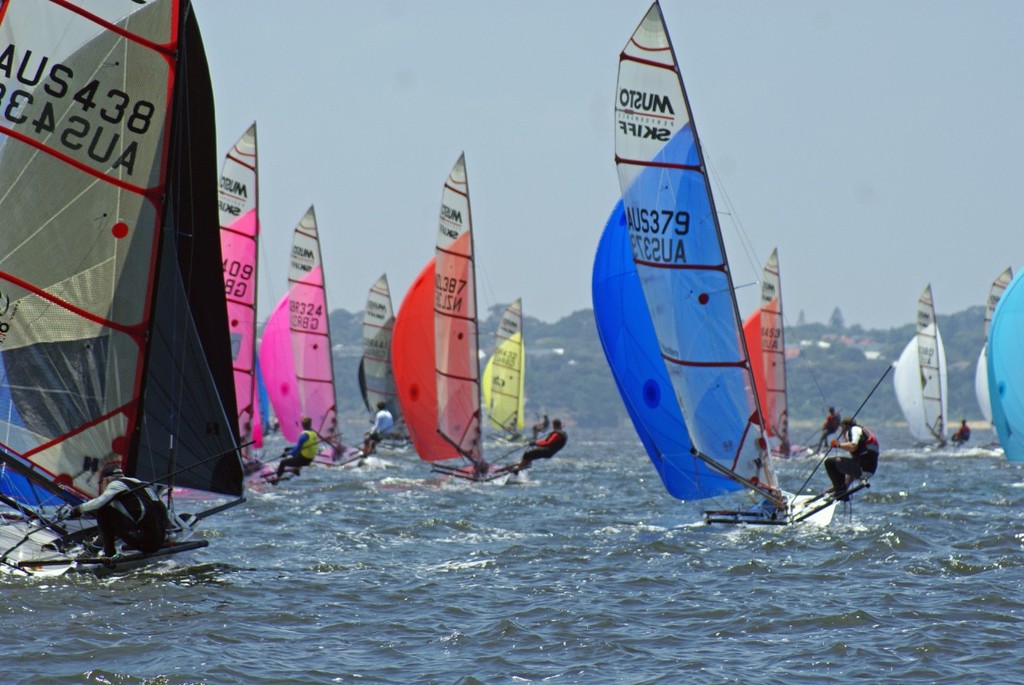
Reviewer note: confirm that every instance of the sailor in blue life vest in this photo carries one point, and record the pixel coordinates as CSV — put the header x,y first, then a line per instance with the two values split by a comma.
x,y
383,422
303,452
829,426
962,435
862,462
126,509
543,449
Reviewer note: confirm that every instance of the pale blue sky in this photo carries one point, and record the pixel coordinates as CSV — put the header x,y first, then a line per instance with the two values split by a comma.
x,y
876,143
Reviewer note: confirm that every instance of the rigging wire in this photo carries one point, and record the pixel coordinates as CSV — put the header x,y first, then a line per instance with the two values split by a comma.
x,y
749,252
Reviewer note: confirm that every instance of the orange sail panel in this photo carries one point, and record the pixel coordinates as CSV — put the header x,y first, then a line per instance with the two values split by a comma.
x,y
412,361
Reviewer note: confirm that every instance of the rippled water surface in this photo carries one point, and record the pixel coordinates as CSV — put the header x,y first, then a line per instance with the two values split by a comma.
x,y
587,573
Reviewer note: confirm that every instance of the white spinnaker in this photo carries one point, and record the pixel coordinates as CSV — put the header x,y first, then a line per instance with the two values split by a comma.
x,y
920,385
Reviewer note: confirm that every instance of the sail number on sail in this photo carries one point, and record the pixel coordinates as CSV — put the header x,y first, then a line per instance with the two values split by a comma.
x,y
237,277
37,109
305,316
448,293
655,234
771,338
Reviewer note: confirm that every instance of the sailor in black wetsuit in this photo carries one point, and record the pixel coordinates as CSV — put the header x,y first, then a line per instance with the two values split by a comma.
x,y
126,509
862,462
543,449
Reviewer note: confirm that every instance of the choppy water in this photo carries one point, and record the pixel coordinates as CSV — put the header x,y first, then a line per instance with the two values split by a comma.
x,y
589,573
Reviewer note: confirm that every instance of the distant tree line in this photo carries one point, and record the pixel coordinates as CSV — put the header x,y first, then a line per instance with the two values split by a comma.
x,y
567,375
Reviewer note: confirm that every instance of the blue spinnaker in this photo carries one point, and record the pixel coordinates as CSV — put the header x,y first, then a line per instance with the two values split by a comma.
x,y
631,347
263,398
1006,369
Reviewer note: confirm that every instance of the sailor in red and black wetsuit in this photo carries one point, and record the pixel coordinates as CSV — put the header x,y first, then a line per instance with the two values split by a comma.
x,y
862,462
962,435
543,449
829,426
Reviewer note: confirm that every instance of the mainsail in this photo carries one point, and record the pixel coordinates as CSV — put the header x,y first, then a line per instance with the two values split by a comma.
x,y
113,326
239,242
1006,369
681,262
455,321
981,371
504,377
920,376
295,350
766,344
105,276
376,378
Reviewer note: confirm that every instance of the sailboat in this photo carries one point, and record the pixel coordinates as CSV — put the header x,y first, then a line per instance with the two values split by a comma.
x,y
376,378
113,344
920,377
437,376
295,350
239,243
686,281
504,375
765,336
1006,369
981,372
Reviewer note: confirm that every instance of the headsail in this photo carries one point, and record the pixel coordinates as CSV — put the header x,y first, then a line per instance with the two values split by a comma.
x,y
455,321
1006,369
766,344
920,376
413,361
113,329
277,362
376,378
239,243
504,377
680,258
631,347
981,372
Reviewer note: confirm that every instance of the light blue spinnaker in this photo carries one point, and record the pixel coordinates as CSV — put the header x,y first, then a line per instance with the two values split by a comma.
x,y
1006,369
631,347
